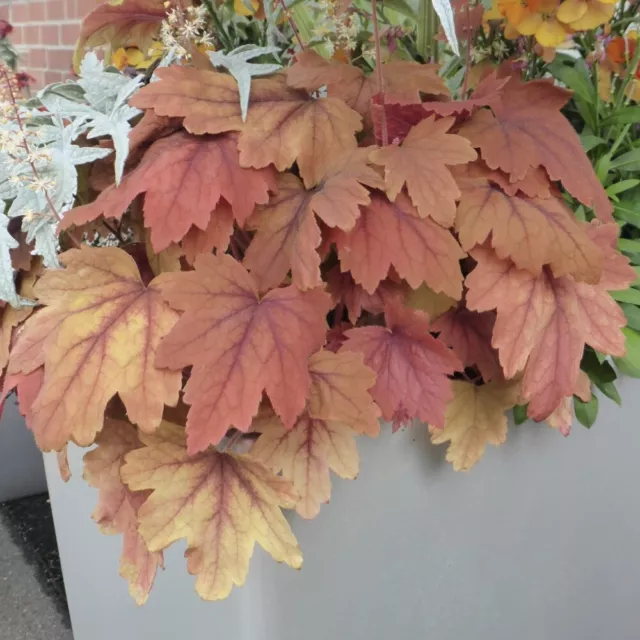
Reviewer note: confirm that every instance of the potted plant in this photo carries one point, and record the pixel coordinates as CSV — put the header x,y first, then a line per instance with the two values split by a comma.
x,y
276,226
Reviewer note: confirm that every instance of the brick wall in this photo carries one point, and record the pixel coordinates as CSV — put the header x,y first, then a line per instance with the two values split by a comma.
x,y
44,33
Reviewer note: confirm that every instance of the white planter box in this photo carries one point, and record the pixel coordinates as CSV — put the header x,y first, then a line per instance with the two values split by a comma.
x,y
539,542
21,468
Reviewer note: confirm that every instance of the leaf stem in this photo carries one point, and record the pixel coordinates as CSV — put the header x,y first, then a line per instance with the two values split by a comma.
x,y
292,23
114,231
424,29
631,74
27,149
379,77
467,57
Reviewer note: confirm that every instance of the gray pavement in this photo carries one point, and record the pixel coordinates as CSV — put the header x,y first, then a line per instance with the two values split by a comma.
x,y
26,611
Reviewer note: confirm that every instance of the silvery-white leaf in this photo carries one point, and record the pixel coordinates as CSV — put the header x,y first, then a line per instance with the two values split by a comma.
x,y
128,89
8,291
445,13
238,65
82,155
42,233
68,89
107,112
91,64
120,136
66,108
27,201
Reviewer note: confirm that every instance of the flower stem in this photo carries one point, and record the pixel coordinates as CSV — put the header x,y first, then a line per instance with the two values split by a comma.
x,y
27,149
292,24
379,77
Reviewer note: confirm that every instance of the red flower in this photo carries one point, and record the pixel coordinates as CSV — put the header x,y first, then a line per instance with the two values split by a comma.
x,y
24,79
5,28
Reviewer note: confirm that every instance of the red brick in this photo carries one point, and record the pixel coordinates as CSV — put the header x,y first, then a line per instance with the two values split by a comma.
x,y
37,58
54,10
52,76
36,74
59,59
36,11
16,35
49,34
70,9
20,13
31,35
69,33
84,7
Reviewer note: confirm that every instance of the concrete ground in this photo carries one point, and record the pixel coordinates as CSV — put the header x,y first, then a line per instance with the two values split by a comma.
x,y
32,602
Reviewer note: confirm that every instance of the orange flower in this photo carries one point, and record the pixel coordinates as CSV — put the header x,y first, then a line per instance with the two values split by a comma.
x,y
543,23
621,50
582,15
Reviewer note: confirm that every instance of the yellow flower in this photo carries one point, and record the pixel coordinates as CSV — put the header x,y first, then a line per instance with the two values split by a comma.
x,y
119,58
493,14
582,15
134,57
248,8
543,24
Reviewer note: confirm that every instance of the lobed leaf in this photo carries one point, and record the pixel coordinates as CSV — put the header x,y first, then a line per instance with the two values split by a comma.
x,y
305,455
222,503
283,125
117,509
412,367
119,25
532,232
475,416
526,129
239,344
97,336
183,178
392,233
288,234
543,322
421,161
402,79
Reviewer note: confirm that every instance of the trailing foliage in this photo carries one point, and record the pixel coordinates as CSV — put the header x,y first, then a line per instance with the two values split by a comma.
x,y
275,247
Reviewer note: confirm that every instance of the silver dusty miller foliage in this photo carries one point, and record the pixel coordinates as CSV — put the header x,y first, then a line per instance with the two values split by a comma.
x,y
39,153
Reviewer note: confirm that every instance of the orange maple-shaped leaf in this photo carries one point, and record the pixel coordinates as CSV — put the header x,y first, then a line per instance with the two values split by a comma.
x,y
97,336
392,233
400,115
421,162
475,417
411,366
533,232
183,178
544,322
283,125
525,129
288,234
561,418
469,334
239,344
344,289
215,236
14,316
348,82
222,503
27,387
117,507
305,454
535,183
117,25
488,91
340,390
